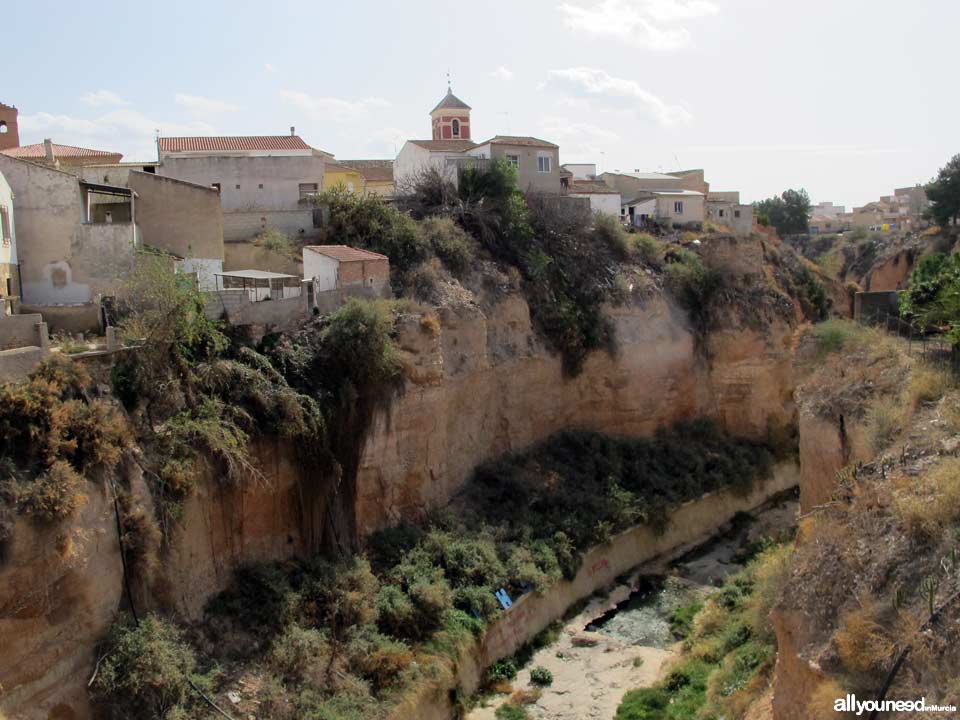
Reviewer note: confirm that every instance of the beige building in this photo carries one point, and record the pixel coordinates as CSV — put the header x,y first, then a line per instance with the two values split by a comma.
x,y
75,241
724,208
377,175
677,208
451,149
264,181
537,161
9,274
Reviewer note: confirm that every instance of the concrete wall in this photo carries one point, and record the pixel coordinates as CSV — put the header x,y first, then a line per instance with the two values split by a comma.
x,y
279,176
296,224
691,524
62,261
608,203
177,216
413,159
693,209
236,305
866,305
321,269
17,331
9,273
16,365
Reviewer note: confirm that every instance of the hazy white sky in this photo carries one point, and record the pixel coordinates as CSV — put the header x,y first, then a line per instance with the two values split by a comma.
x,y
846,98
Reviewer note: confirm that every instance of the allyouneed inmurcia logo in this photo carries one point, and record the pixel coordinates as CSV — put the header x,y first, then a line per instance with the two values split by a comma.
x,y
859,707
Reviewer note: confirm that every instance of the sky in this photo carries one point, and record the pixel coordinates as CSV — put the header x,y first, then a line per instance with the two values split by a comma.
x,y
845,98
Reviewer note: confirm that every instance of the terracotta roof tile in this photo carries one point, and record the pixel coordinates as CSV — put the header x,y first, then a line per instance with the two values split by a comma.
x,y
233,143
28,152
523,140
345,253
445,145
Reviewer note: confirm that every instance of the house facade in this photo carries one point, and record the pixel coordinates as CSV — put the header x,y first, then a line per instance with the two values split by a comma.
x,y
724,208
602,197
537,161
340,267
451,148
9,274
342,175
75,242
677,208
377,176
264,181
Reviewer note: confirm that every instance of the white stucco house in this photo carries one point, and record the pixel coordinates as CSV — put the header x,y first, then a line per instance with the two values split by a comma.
x,y
602,197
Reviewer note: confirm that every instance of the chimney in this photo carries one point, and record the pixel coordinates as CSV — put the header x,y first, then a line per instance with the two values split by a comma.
x,y
48,151
293,130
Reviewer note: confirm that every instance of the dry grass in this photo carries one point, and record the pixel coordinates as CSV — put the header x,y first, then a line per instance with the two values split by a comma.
x,y
861,641
927,384
430,324
821,702
527,696
884,420
928,508
950,411
770,579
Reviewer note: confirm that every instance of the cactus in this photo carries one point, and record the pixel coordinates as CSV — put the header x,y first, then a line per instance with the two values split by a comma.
x,y
929,586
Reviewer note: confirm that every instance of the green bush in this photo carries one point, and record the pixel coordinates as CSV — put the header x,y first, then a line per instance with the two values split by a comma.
x,y
274,240
52,496
455,247
297,652
504,669
834,335
146,673
509,711
541,676
812,295
681,619
647,248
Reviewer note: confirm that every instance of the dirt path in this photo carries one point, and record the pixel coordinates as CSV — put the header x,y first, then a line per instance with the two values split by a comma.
x,y
591,672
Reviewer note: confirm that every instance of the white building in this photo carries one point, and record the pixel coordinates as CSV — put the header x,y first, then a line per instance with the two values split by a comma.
x,y
603,198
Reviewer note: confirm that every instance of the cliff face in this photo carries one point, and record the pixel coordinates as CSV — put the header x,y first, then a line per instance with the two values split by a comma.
x,y
480,384
484,385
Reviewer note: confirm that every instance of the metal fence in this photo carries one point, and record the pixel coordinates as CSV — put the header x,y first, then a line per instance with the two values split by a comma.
x,y
933,349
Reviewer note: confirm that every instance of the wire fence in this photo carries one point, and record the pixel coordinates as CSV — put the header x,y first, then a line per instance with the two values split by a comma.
x,y
933,349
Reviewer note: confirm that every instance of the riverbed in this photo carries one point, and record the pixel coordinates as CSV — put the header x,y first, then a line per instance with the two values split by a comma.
x,y
622,639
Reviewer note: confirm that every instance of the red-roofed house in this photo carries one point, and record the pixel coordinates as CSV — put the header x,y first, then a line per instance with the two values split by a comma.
x,y
341,267
56,155
265,181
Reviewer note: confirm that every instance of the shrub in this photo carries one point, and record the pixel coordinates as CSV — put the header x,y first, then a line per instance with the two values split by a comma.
x,y
53,496
608,230
297,652
834,335
541,676
681,619
647,248
861,641
380,660
812,295
509,711
929,508
274,240
146,672
455,247
770,573
394,611
504,669
340,595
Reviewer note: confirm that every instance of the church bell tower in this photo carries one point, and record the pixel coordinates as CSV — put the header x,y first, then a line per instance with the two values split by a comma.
x,y
451,118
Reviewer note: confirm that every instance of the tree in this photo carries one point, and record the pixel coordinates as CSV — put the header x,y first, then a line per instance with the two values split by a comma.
x,y
789,213
944,193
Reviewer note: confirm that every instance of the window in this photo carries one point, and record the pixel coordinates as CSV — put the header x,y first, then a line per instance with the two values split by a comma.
x,y
456,128
514,160
3,127
736,213
544,163
238,186
721,213
260,186
215,186
308,190
5,225
678,207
